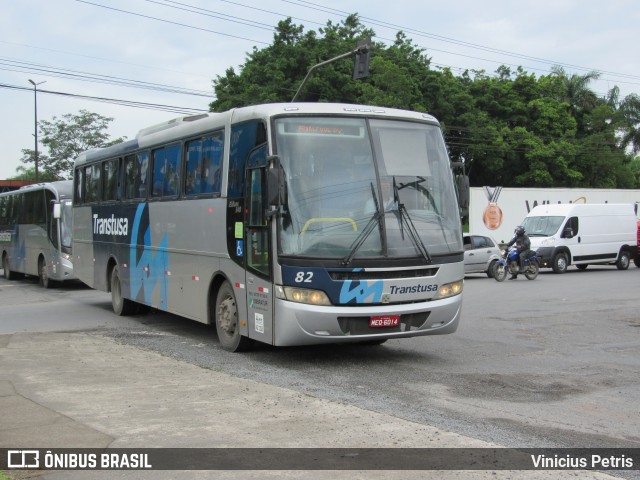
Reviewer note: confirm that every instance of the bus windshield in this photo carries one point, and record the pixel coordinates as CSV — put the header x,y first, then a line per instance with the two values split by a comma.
x,y
357,188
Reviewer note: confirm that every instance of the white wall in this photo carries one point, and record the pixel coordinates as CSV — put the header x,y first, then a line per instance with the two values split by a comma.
x,y
496,211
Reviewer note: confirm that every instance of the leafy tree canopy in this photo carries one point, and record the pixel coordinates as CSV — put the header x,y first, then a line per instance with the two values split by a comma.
x,y
510,128
64,139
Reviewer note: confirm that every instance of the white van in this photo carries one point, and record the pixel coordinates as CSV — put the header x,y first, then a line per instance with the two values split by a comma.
x,y
582,234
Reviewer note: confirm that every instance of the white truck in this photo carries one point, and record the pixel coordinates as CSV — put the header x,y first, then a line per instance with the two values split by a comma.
x,y
582,234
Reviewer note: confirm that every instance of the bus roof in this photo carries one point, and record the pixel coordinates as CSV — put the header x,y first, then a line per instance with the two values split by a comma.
x,y
62,188
183,127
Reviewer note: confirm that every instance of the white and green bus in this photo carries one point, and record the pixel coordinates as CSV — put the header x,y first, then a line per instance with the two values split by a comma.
x,y
288,224
35,232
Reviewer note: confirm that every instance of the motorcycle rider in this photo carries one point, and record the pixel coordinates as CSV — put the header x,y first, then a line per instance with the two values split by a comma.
x,y
523,247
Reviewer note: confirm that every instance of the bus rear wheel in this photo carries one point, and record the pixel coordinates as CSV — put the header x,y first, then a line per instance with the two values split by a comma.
x,y
226,318
6,266
121,306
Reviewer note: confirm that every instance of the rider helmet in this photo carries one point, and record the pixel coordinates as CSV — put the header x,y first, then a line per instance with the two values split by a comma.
x,y
519,231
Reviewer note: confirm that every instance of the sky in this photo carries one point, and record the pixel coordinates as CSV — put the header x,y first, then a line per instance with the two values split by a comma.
x,y
167,52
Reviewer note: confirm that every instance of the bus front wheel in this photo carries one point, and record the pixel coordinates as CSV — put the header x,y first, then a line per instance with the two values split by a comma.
x,y
121,306
226,317
43,274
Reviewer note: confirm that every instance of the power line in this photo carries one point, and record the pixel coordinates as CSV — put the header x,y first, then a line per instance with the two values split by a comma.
x,y
193,9
96,78
92,57
210,13
89,77
126,103
170,22
315,6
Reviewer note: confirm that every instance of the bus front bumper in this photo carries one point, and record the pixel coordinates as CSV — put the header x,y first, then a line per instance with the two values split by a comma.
x,y
301,324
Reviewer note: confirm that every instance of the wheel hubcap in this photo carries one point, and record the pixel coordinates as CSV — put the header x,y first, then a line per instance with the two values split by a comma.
x,y
227,315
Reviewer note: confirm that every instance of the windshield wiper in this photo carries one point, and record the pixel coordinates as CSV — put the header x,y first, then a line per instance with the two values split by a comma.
x,y
403,217
360,239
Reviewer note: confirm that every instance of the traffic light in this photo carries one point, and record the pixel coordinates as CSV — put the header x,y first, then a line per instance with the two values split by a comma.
x,y
361,68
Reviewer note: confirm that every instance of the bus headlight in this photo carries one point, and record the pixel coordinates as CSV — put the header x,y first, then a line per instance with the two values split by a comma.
x,y
303,295
66,256
449,290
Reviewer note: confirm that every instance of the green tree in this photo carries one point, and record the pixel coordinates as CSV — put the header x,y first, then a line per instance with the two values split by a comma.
x,y
510,129
29,173
576,89
630,110
577,94
274,73
66,138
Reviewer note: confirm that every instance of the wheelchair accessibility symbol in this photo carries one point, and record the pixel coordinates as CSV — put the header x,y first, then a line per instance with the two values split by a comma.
x,y
239,248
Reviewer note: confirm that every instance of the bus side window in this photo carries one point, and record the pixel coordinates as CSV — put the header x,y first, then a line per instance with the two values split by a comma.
x,y
12,210
92,183
244,137
172,176
166,171
136,175
212,150
129,176
142,175
79,183
110,180
158,162
3,210
193,168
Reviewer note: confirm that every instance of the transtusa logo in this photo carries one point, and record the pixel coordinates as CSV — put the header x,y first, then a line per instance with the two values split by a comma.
x,y
110,226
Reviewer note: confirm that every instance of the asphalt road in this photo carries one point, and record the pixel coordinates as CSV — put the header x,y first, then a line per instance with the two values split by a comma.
x,y
553,362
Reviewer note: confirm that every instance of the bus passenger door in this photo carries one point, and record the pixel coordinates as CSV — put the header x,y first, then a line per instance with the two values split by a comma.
x,y
257,245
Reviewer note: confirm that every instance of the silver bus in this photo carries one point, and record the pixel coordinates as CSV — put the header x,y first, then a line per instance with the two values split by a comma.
x,y
288,224
35,232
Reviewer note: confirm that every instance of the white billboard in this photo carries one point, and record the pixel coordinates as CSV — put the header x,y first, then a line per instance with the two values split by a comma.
x,y
496,211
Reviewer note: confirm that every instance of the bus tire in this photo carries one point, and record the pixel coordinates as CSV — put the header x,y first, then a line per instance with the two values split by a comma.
x,y
226,317
8,274
121,306
43,274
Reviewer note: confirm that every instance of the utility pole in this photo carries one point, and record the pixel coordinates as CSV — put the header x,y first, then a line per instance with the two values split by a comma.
x,y
35,111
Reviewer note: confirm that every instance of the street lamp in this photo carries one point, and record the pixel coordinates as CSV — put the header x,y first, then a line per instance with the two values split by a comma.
x,y
35,110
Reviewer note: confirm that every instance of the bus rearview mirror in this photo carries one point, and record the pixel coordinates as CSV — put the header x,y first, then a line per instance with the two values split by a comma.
x,y
57,210
276,193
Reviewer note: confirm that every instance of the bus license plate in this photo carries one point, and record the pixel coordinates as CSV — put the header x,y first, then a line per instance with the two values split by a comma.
x,y
384,321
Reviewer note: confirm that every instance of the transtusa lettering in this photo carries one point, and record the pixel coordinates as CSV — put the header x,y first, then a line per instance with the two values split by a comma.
x,y
110,225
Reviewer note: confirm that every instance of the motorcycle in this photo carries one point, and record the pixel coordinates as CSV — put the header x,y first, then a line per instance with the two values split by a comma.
x,y
509,264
